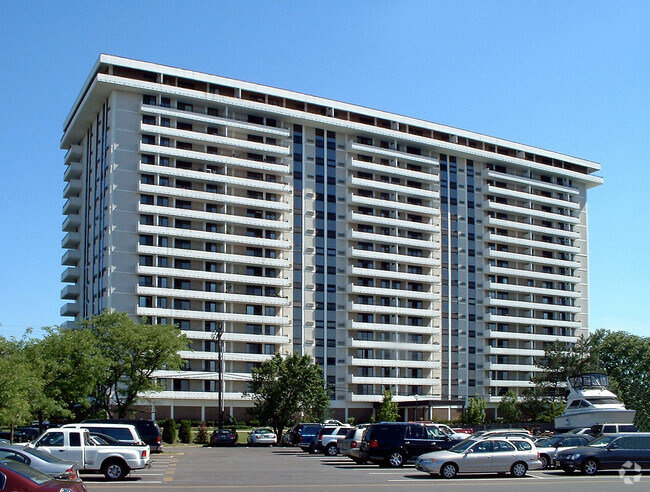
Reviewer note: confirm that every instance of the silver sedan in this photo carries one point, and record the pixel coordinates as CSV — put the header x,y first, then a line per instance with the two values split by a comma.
x,y
43,462
262,436
492,455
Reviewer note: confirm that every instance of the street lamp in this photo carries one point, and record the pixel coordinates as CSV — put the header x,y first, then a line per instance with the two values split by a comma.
x,y
216,335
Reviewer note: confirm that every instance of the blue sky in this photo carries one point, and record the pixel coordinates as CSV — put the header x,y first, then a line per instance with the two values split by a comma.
x,y
569,76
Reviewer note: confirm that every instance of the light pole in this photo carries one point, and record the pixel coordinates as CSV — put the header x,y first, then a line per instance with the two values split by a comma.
x,y
216,335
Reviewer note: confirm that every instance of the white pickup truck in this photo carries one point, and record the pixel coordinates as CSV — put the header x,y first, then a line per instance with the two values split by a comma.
x,y
115,462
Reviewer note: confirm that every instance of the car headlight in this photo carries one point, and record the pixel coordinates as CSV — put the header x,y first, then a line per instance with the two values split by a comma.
x,y
427,460
573,456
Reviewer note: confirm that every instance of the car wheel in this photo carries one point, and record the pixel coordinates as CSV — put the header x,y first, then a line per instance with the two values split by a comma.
x,y
449,470
519,469
358,461
115,469
312,450
545,461
590,467
331,450
395,459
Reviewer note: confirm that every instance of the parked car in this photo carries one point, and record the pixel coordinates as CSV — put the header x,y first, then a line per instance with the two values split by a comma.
x,y
350,446
126,433
601,429
44,462
30,432
224,437
328,438
579,430
148,430
488,455
262,436
24,478
394,443
549,448
608,452
18,436
308,434
502,433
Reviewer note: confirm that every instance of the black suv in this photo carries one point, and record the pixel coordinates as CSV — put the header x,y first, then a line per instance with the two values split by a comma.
x,y
394,443
147,429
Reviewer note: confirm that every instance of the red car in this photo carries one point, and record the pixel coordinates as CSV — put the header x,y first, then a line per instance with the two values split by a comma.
x,y
18,476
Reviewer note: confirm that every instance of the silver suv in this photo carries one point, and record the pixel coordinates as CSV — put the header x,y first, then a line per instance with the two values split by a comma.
x,y
328,438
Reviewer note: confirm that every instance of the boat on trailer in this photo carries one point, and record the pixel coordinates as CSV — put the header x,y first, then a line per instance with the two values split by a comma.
x,y
589,402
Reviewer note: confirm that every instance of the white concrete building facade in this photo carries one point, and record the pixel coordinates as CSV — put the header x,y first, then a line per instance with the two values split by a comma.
x,y
400,254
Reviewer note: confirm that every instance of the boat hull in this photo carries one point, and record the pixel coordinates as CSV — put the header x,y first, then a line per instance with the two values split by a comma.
x,y
568,421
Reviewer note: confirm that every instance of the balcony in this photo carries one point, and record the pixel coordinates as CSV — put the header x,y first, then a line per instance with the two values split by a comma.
x,y
73,188
70,274
71,257
70,309
71,240
70,292
72,205
73,171
356,361
508,335
71,223
74,153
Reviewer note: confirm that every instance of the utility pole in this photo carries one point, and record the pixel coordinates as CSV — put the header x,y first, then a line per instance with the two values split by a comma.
x,y
216,335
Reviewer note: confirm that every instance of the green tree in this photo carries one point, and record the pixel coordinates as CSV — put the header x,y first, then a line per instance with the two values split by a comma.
x,y
69,365
536,406
625,358
475,411
509,409
388,410
16,380
132,351
283,389
561,360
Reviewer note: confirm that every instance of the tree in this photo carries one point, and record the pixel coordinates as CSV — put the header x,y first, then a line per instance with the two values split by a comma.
x,y
509,409
625,358
475,411
16,380
132,351
561,360
388,410
69,364
535,406
284,388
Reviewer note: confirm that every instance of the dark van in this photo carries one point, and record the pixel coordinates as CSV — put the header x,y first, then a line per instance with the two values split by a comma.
x,y
148,430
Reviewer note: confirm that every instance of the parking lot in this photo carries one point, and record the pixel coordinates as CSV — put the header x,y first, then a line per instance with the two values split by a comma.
x,y
279,468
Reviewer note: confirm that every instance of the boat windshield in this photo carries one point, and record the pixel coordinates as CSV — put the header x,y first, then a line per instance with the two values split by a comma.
x,y
589,380
603,400
603,441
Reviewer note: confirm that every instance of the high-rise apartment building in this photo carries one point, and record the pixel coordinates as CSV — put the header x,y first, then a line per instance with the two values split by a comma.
x,y
400,254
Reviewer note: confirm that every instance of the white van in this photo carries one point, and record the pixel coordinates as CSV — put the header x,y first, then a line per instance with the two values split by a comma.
x,y
125,433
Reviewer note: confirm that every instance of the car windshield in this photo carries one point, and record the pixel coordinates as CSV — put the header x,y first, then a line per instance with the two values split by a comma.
x,y
602,442
262,430
462,446
551,442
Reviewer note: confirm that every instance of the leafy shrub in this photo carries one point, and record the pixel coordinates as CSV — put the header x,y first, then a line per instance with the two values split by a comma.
x,y
185,433
169,431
